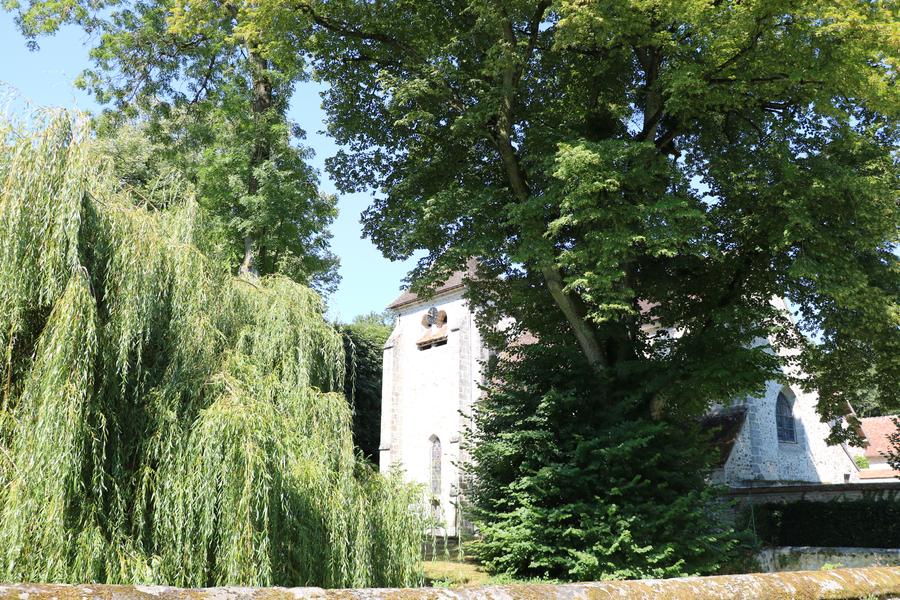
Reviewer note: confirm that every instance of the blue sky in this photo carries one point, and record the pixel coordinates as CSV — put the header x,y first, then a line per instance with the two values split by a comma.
x,y
45,78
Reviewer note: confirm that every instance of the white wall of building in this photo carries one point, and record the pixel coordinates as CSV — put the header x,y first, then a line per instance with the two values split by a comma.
x,y
426,394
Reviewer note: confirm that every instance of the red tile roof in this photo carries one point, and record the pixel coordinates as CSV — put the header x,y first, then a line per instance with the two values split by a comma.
x,y
878,474
877,430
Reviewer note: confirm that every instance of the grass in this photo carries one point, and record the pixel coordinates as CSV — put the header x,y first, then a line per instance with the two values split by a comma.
x,y
445,565
455,573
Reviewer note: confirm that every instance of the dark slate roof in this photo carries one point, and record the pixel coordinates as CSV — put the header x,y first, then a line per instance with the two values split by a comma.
x,y
455,281
724,425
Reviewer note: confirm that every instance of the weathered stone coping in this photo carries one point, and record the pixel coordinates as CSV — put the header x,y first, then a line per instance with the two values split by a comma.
x,y
816,488
879,582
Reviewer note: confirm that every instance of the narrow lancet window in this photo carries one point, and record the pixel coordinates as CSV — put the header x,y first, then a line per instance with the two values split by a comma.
x,y
435,466
784,419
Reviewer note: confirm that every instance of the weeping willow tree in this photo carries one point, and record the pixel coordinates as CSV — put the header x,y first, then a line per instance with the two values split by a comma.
x,y
161,420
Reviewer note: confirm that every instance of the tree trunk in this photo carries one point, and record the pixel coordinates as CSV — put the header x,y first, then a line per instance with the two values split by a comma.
x,y
572,308
247,267
261,104
575,315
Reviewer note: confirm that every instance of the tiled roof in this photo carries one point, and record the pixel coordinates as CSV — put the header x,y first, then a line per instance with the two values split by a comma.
x,y
879,474
877,430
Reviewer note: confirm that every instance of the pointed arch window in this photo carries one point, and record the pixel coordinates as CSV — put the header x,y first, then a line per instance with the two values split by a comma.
x,y
784,419
435,465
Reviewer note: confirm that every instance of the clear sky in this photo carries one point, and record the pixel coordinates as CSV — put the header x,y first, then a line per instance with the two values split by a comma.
x,y
369,281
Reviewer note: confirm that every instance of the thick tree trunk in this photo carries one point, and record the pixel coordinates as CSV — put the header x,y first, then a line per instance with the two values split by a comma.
x,y
261,104
572,308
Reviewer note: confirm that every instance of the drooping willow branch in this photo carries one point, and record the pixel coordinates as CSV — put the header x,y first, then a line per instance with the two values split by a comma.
x,y
162,422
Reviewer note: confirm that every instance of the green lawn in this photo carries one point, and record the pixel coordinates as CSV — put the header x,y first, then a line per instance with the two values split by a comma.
x,y
454,573
446,566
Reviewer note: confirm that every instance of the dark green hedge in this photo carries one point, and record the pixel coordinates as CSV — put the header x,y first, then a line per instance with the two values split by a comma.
x,y
857,523
363,348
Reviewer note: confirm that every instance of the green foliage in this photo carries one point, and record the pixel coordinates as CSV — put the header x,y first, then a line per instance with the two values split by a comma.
x,y
893,457
861,461
644,168
211,103
637,181
568,491
210,148
364,341
866,523
162,421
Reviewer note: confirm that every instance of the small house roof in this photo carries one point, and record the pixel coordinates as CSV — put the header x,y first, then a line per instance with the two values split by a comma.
x,y
878,431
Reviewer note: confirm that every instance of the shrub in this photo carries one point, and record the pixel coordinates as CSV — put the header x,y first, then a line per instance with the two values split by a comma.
x,y
566,491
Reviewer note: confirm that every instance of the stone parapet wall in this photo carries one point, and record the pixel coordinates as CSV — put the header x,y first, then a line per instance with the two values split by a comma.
x,y
882,490
797,558
847,584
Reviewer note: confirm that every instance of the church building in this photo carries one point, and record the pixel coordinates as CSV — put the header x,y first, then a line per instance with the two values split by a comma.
x,y
432,372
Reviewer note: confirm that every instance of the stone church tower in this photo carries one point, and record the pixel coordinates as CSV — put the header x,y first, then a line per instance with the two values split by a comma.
x,y
432,371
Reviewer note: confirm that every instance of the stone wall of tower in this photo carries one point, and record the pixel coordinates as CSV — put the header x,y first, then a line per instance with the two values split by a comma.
x,y
427,395
760,458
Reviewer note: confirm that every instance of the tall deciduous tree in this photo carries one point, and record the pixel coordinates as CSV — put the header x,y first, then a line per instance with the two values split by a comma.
x,y
212,97
644,177
660,170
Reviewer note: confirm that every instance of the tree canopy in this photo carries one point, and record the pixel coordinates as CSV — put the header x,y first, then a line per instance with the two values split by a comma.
x,y
645,169
653,167
211,103
643,182
163,421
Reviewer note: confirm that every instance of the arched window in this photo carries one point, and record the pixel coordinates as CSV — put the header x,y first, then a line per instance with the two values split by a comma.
x,y
784,419
435,465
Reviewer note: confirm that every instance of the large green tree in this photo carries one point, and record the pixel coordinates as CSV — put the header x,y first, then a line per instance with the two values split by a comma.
x,y
643,177
653,172
211,101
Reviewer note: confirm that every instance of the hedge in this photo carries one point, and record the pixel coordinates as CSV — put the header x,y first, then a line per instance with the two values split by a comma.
x,y
867,523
